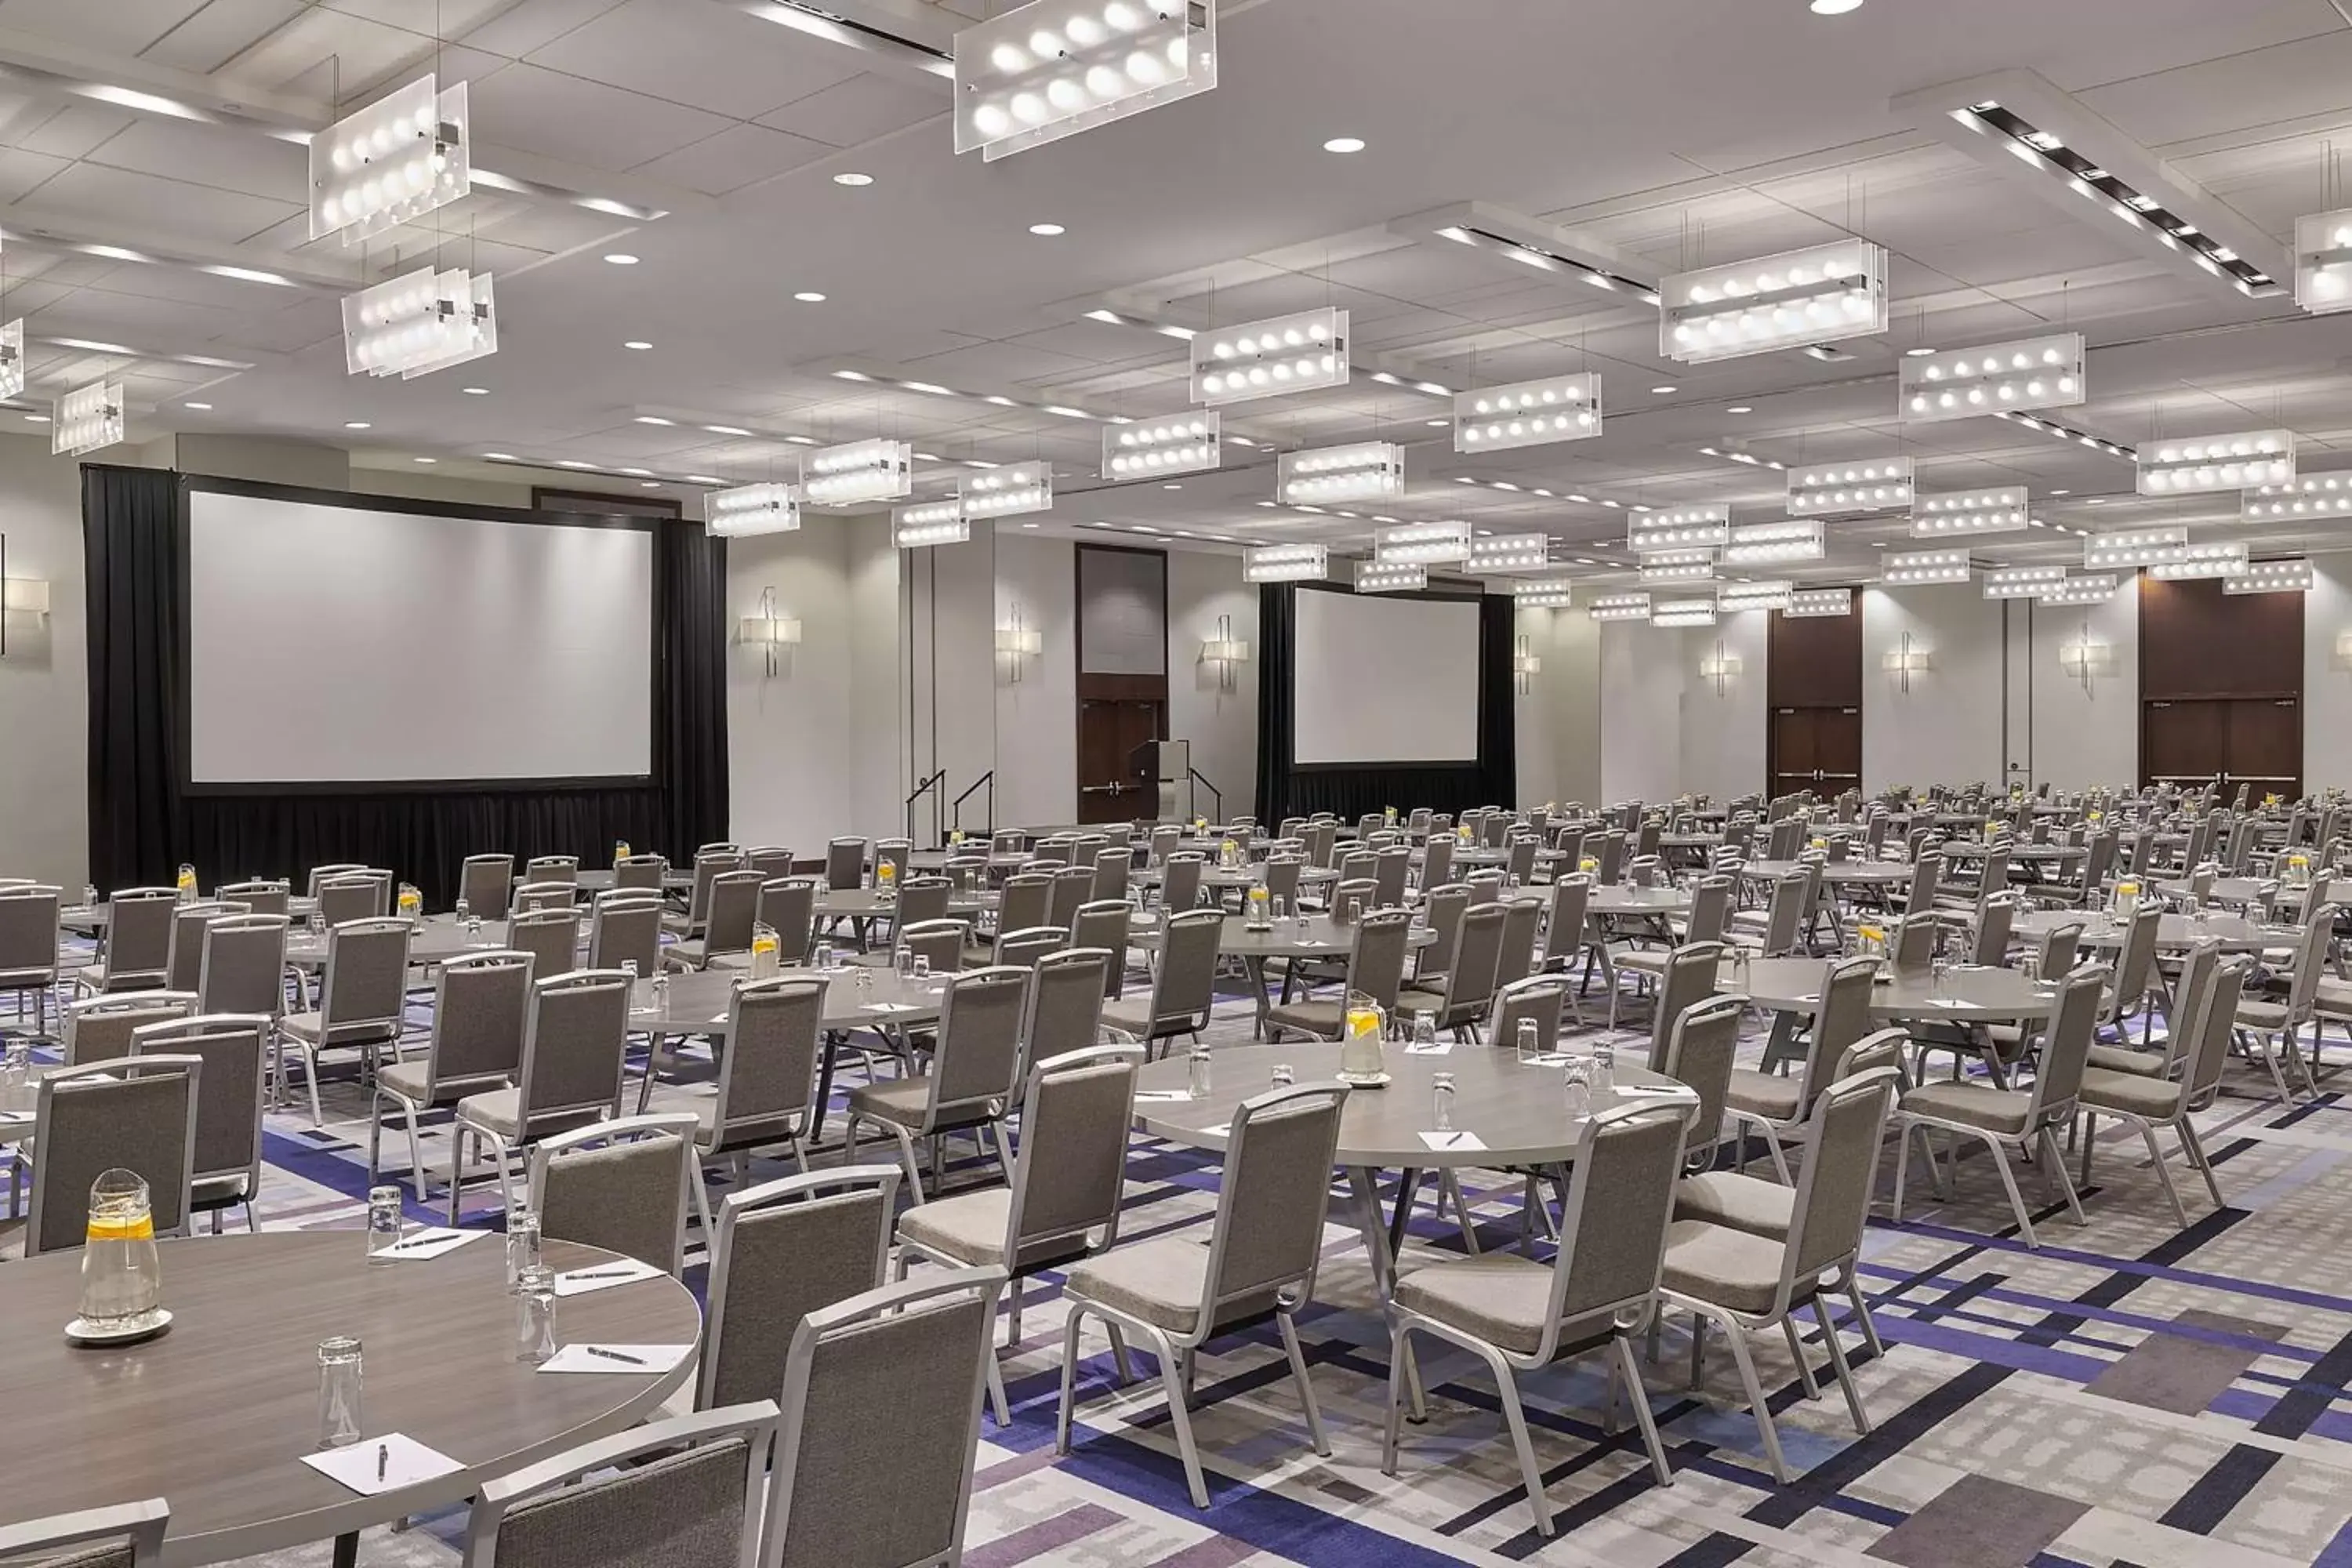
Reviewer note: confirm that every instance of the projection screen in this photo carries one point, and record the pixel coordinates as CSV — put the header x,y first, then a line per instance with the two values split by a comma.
x,y
1382,678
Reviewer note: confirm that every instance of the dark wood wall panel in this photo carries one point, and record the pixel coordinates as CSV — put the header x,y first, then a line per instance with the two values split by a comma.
x,y
1813,661
2196,641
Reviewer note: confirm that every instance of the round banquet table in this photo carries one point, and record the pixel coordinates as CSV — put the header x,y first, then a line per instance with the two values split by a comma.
x,y
1321,937
437,940
215,1416
590,880
2228,889
867,903
2174,934
1836,873
1621,900
1228,878
1967,994
1516,1112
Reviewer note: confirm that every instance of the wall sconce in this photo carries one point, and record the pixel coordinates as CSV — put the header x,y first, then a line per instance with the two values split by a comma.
x,y
1226,651
769,631
2344,651
1904,660
1525,665
1018,642
2085,657
1722,667
19,595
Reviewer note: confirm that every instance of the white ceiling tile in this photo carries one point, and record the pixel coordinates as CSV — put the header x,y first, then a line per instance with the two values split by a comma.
x,y
861,108
535,24
560,116
20,172
117,194
350,52
217,156
738,156
297,327
75,130
703,54
125,27
219,32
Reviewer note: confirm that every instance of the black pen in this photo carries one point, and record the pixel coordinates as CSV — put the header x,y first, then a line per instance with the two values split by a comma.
x,y
426,1240
383,1458
613,1355
602,1274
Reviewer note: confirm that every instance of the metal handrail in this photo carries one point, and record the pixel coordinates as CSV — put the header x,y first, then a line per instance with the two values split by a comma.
x,y
935,783
1215,793
956,810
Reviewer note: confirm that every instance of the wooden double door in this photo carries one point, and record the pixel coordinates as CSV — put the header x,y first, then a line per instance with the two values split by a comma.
x,y
1815,748
2255,741
1112,731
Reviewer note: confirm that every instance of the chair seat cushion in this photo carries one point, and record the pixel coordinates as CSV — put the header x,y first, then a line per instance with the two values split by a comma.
x,y
968,1228
2116,1059
1320,1018
1722,1267
1740,1202
1419,999
2002,1110
1776,1097
1499,1297
900,1101
2157,1098
409,1079
312,1028
2262,1015
2333,997
501,1111
1159,1282
1644,960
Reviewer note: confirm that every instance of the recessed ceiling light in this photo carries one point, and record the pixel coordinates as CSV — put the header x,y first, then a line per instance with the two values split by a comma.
x,y
1171,487
425,459
475,391
1660,391
2098,501
37,419
500,457
1834,8
205,406
621,258
1917,352
1441,424
1739,408
648,484
809,297
636,473
1028,525
355,424
853,179
572,463
636,344
1046,231
1344,144
2062,492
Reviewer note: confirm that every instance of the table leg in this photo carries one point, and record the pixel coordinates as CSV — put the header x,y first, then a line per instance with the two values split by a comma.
x,y
1408,1188
1365,1184
347,1551
1256,968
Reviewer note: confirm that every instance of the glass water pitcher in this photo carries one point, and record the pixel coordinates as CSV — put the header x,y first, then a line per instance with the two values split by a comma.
x,y
121,1278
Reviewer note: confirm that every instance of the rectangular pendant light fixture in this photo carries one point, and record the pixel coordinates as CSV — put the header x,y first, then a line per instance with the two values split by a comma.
x,y
1738,597
2309,495
2095,589
1361,470
1155,448
1621,607
857,471
87,418
1682,528
2323,263
1389,577
2001,510
1790,539
2133,547
1817,295
1542,596
12,359
1056,68
2245,461
2022,582
392,163
1808,601
1268,358
1683,612
2031,372
1500,554
2213,559
1922,566
929,522
1838,490
2292,575
1679,566
1008,492
1286,563
419,322
1527,413
749,509
1421,545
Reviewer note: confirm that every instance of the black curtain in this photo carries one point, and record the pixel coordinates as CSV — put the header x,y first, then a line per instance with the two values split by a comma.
x,y
143,824
1286,790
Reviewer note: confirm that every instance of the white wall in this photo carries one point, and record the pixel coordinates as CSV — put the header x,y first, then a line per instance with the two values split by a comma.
x,y
1036,734
1722,730
2326,676
1641,713
1947,729
879,759
789,782
1221,724
44,677
2084,738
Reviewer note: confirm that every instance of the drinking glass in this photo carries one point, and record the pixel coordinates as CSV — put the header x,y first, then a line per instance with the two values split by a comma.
x,y
824,956
1576,1081
1199,1083
317,923
907,963
1529,1042
384,1221
1442,1089
535,1315
121,1278
16,1076
1424,1028
1604,1069
922,967
464,912
659,986
339,1385
522,1245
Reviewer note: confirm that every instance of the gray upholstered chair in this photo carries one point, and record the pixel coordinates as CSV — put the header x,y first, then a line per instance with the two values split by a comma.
x,y
1460,999
1071,886
1598,1292
1701,1052
540,870
260,896
1775,930
225,1166
28,948
1538,998
2268,1027
894,853
574,1039
2147,1102
128,1535
1999,1118
1523,915
771,860
686,1492
1748,1282
1027,897
485,885
624,928
1060,1202
1375,968
783,1249
708,863
479,1005
1060,1016
134,1113
788,908
1022,948
881,1425
975,1069
552,937
354,896
136,948
1105,923
1179,881
1111,868
1441,910
1267,1238
242,965
621,1185
1777,1105
361,1001
1436,867
185,956
98,1027
1183,986
727,924
938,943
647,873
321,875
536,897
764,1091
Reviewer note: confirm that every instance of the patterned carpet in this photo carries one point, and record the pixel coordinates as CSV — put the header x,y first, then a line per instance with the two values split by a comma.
x,y
2131,1395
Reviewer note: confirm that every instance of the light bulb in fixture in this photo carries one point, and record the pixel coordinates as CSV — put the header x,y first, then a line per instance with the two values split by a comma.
x,y
809,297
852,180
638,344
475,391
1834,8
205,407
621,258
355,424
1344,144
1046,231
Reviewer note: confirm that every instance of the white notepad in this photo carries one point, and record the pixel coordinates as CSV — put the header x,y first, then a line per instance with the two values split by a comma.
x,y
892,1007
1429,1048
609,1275
398,1460
628,1361
1453,1143
418,1245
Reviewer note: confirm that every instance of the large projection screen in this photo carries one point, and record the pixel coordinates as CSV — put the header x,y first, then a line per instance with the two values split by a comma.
x,y
333,645
1384,679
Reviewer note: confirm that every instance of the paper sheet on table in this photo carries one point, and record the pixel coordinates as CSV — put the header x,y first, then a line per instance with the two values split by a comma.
x,y
892,1007
1429,1049
404,1462
1161,1095
609,1275
1453,1143
1653,1091
431,1242
643,1360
